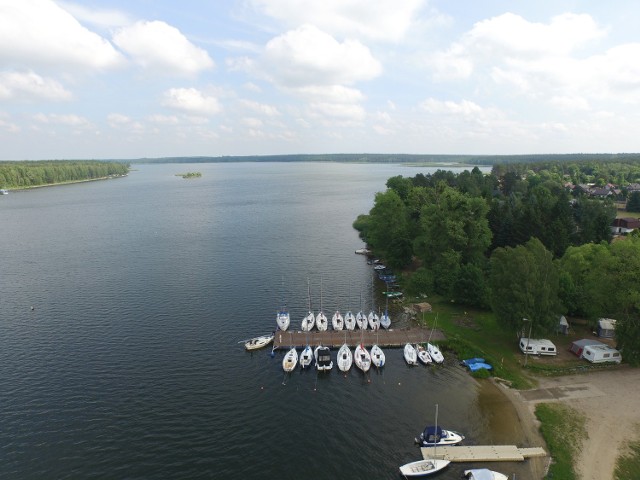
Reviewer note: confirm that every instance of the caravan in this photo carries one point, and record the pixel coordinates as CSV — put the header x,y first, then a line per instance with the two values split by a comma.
x,y
540,346
601,354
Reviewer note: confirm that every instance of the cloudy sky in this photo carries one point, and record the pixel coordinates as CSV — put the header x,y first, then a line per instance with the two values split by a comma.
x,y
140,78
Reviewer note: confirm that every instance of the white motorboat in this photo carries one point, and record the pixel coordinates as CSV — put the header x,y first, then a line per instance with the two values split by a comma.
x,y
363,251
345,358
423,355
290,360
374,320
484,474
362,358
321,322
323,358
361,320
306,357
308,322
435,353
377,356
422,468
258,342
435,435
337,321
410,354
349,321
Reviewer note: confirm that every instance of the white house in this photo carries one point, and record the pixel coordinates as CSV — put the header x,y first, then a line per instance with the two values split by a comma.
x,y
537,346
601,354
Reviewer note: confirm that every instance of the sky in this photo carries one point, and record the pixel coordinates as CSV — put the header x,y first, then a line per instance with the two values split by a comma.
x,y
158,78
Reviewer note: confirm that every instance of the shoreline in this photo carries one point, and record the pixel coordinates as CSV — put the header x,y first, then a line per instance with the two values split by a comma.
x,y
70,182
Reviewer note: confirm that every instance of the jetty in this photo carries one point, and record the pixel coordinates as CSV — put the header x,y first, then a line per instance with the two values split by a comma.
x,y
335,338
482,453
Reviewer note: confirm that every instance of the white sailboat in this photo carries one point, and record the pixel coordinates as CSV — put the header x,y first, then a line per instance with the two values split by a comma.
x,y
345,358
385,319
290,360
361,318
283,318
484,474
337,321
423,355
349,321
428,466
362,358
306,357
373,319
377,356
435,353
410,354
310,320
258,342
321,319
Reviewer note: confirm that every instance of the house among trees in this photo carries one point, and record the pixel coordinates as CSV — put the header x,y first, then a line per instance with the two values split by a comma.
x,y
622,226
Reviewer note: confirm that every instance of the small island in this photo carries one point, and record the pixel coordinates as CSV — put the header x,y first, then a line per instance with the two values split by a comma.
x,y
189,175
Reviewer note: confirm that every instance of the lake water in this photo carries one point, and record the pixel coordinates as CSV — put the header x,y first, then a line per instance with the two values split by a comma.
x,y
128,365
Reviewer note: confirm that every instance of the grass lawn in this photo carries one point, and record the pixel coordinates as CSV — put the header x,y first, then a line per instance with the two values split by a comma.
x,y
628,464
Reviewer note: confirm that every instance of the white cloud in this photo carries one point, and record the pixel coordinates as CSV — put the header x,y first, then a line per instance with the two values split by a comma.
x,y
268,110
345,111
38,33
30,86
387,20
69,120
8,126
103,18
160,47
164,119
192,101
464,108
309,56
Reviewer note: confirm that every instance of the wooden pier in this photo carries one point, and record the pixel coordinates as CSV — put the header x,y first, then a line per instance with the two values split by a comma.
x,y
482,453
335,338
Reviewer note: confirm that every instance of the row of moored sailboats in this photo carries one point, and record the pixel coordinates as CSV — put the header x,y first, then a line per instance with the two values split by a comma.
x,y
321,356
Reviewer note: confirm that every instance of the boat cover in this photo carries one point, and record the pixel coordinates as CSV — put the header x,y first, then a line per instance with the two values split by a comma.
x,y
432,434
479,474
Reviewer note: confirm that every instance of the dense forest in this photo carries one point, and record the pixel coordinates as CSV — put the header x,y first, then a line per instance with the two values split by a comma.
x,y
600,158
525,241
48,172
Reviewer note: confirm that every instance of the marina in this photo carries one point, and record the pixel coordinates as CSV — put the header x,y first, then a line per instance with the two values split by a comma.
x,y
335,338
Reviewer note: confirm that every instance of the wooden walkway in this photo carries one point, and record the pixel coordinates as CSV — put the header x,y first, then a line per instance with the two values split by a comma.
x,y
335,338
483,453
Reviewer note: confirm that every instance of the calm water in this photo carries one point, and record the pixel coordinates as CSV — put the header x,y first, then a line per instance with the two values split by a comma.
x,y
129,364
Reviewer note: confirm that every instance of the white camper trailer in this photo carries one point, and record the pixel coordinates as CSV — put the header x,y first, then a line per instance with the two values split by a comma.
x,y
537,346
601,354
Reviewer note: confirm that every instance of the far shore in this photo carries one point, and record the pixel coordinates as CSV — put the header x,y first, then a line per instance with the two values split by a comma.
x,y
57,184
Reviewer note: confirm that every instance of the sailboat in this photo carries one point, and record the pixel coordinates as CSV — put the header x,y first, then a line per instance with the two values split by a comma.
x,y
434,351
310,320
321,319
337,321
283,318
425,467
349,321
423,355
306,357
374,320
385,319
323,358
362,358
345,358
290,360
361,318
484,474
410,354
377,356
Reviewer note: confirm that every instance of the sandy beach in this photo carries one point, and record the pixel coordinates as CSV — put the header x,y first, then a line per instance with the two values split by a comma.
x,y
609,399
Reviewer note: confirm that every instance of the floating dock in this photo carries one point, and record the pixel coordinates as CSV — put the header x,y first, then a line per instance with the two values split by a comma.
x,y
335,338
482,453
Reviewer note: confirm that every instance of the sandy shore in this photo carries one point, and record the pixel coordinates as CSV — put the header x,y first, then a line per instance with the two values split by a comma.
x,y
610,401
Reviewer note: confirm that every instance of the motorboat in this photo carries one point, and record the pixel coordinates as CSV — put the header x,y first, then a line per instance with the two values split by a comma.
x,y
345,358
363,251
349,321
423,355
374,321
258,342
432,436
484,474
308,322
323,358
422,468
306,357
283,319
410,354
435,353
362,358
290,360
337,321
361,320
377,356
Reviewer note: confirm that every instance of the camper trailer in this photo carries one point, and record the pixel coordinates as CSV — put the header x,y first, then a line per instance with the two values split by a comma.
x,y
537,346
601,354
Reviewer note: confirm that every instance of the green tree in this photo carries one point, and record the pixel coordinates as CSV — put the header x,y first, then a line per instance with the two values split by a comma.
x,y
388,230
524,284
633,203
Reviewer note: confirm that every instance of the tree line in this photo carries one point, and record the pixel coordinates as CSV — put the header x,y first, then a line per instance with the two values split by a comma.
x,y
517,241
47,172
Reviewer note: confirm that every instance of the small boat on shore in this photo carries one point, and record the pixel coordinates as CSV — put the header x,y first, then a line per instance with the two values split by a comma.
x,y
258,342
345,358
423,355
290,360
422,468
410,354
484,474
